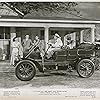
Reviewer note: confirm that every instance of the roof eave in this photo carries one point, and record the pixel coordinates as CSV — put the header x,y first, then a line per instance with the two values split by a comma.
x,y
51,21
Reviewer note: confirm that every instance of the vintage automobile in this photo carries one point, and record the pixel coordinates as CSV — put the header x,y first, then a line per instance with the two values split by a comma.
x,y
79,59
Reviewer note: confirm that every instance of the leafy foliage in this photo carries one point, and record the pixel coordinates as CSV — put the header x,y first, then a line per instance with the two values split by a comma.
x,y
29,7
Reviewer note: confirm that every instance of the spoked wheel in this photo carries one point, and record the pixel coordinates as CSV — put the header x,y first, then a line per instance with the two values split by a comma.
x,y
25,70
85,68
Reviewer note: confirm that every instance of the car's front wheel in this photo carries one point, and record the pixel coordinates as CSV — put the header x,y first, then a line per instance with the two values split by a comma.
x,y
25,70
85,68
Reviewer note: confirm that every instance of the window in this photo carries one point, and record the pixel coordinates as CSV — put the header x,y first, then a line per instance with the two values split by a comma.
x,y
4,33
7,33
42,35
1,33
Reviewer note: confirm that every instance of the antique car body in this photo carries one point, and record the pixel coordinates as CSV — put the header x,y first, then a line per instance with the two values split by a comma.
x,y
78,58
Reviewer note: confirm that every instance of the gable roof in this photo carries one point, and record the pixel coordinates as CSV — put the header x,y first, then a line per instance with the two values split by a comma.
x,y
6,12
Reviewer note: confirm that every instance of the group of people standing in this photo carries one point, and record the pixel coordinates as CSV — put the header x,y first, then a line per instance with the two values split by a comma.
x,y
18,48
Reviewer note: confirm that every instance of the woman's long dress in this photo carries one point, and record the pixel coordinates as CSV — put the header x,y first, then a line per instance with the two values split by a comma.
x,y
15,52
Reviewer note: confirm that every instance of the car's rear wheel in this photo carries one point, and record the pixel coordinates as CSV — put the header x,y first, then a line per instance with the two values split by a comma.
x,y
25,70
85,68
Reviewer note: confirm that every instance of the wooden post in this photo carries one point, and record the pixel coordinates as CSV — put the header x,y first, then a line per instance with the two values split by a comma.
x,y
74,38
46,37
92,35
81,36
12,32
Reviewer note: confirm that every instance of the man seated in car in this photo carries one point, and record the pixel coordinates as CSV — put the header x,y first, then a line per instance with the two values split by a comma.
x,y
39,44
54,46
68,42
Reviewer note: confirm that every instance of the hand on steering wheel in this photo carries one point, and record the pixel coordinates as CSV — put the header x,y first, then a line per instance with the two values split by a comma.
x,y
50,44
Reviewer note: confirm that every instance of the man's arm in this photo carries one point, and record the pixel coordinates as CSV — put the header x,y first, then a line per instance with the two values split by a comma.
x,y
58,43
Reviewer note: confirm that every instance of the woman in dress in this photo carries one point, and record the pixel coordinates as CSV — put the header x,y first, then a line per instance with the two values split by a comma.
x,y
15,50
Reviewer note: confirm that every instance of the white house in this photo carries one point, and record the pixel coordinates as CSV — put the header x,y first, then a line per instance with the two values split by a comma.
x,y
11,25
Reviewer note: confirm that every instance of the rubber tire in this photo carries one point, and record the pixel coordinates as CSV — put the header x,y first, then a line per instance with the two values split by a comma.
x,y
92,71
29,78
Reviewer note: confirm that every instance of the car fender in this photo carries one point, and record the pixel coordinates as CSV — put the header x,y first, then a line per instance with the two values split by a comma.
x,y
40,68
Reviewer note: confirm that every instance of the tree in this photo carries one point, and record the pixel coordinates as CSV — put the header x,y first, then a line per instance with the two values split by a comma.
x,y
24,8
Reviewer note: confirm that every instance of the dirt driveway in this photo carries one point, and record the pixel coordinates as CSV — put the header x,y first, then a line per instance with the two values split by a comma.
x,y
54,78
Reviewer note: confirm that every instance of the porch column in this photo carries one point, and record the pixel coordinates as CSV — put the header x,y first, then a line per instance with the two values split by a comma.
x,y
46,37
12,32
74,38
81,36
92,35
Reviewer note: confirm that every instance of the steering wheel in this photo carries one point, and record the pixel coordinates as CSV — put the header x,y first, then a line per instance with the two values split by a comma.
x,y
35,45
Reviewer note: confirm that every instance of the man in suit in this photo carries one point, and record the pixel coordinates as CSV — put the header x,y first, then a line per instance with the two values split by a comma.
x,y
26,43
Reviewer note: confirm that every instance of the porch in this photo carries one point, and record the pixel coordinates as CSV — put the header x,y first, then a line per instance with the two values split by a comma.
x,y
44,29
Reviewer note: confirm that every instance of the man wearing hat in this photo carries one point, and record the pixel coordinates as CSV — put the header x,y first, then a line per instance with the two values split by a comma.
x,y
54,46
27,43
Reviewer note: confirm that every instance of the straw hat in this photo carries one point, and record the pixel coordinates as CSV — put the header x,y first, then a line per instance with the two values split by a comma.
x,y
57,35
